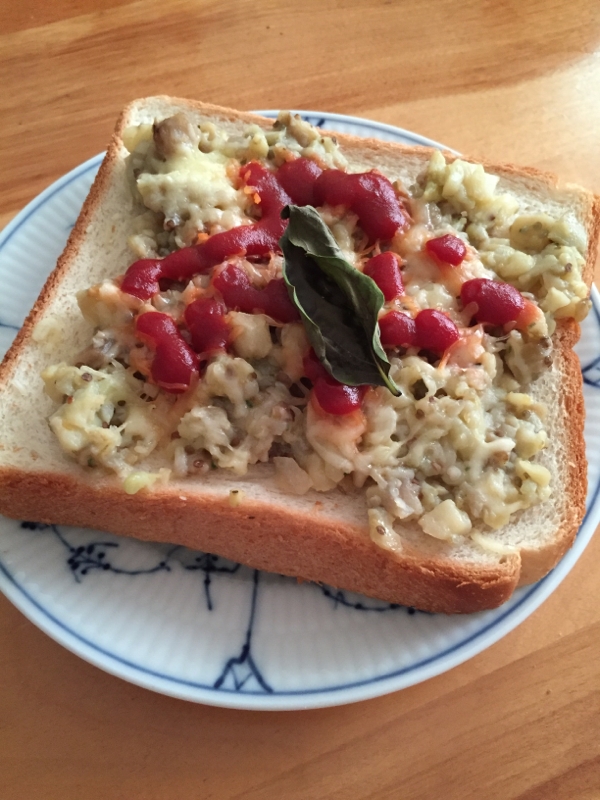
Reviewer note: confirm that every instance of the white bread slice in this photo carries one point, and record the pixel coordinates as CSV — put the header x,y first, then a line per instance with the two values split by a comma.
x,y
318,537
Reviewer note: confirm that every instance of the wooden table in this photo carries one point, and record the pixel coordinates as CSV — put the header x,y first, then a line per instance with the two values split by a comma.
x,y
505,81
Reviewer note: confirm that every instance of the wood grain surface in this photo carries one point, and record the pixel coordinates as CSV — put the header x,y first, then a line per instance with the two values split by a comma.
x,y
511,81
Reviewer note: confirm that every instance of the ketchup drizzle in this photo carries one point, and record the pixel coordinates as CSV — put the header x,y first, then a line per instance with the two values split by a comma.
x,y
257,240
369,195
175,363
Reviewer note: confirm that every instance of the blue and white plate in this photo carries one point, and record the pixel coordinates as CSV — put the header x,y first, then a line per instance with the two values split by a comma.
x,y
201,628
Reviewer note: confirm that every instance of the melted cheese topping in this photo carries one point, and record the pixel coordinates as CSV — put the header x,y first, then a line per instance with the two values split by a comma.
x,y
456,451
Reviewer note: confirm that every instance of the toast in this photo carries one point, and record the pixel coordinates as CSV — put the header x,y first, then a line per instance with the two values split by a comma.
x,y
255,513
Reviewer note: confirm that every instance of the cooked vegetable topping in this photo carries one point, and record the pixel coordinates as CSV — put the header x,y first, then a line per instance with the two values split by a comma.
x,y
353,331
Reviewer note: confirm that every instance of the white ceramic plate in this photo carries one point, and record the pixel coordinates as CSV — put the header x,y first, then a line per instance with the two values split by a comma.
x,y
201,628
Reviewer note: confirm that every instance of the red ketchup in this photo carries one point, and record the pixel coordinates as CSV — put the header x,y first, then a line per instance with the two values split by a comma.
x,y
205,319
429,330
435,331
174,364
448,249
333,397
298,179
370,195
142,279
238,293
313,369
337,398
497,303
384,269
397,330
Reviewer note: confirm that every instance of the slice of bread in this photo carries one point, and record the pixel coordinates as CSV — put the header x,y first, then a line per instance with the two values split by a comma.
x,y
319,537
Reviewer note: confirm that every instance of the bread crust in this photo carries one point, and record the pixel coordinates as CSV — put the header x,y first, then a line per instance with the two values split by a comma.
x,y
273,538
537,562
306,542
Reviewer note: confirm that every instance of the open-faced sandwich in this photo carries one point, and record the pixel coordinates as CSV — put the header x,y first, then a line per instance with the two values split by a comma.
x,y
334,358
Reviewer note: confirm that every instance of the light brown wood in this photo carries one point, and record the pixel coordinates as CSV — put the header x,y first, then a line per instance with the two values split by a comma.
x,y
505,81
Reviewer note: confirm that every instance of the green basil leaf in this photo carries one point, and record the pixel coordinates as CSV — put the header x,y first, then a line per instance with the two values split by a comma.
x,y
338,304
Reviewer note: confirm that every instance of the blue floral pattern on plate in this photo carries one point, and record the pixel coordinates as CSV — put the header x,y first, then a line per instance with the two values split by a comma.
x,y
200,627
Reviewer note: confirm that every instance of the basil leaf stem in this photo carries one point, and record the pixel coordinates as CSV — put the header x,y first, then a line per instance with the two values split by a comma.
x,y
338,304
